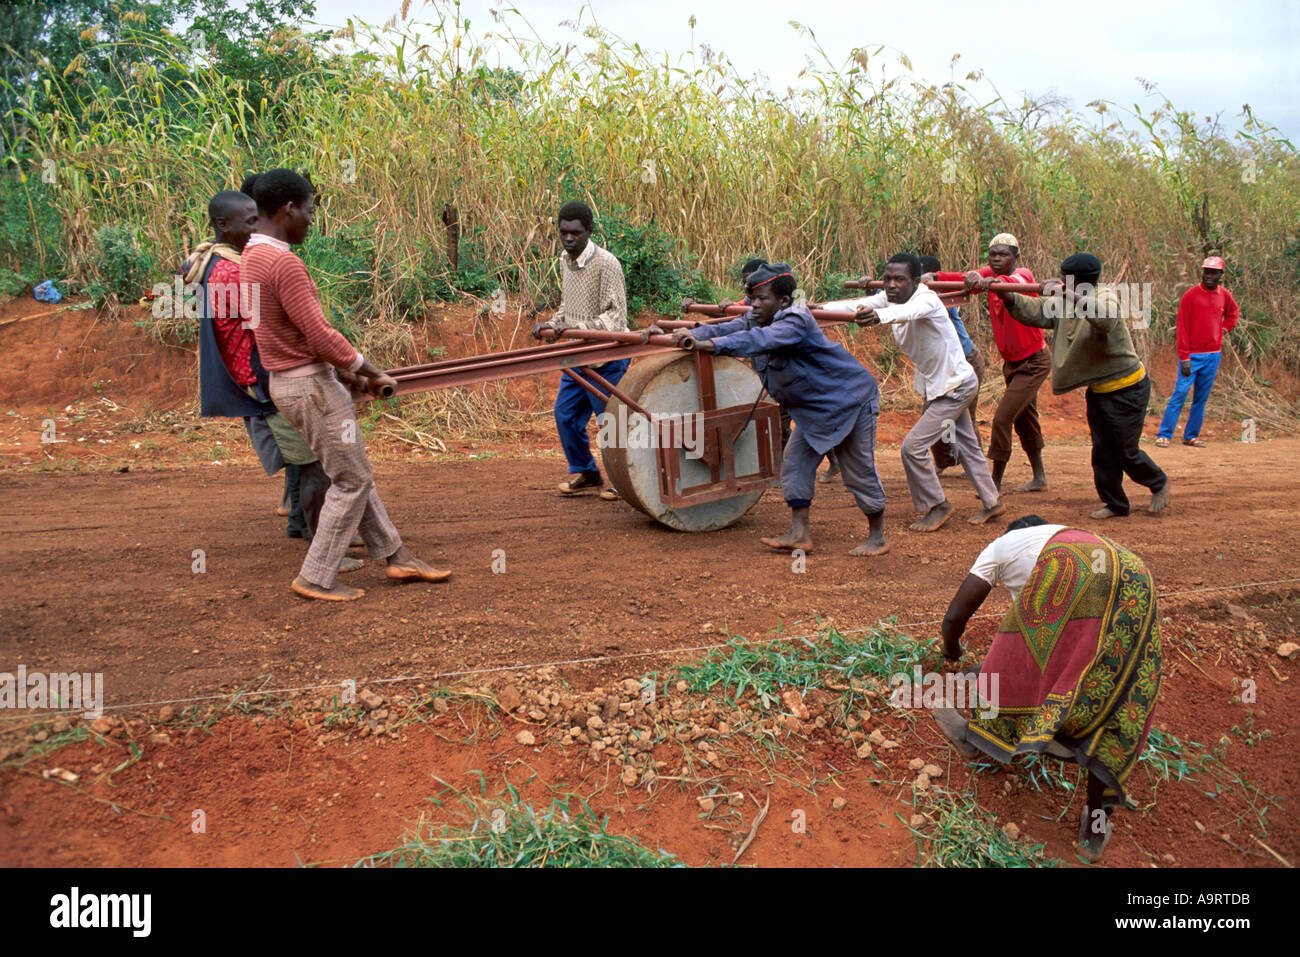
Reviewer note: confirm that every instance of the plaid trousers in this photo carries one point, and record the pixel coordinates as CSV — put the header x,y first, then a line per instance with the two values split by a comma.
x,y
320,407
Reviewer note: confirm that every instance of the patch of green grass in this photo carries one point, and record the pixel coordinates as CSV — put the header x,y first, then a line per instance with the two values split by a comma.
x,y
959,833
1170,758
519,836
832,660
1166,756
1248,733
1043,772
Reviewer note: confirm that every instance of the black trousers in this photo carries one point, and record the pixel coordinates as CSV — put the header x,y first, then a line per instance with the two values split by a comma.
x,y
306,486
1116,420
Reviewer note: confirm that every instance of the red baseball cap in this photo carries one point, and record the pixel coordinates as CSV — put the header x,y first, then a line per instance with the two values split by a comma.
x,y
1213,262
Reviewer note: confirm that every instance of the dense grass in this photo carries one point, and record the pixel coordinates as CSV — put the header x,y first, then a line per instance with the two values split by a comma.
x,y
517,835
711,164
833,660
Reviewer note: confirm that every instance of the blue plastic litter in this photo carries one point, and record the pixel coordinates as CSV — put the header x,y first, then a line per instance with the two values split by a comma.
x,y
46,292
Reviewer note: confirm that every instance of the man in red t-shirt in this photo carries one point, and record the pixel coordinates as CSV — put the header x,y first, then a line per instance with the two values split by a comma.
x,y
1026,363
1206,312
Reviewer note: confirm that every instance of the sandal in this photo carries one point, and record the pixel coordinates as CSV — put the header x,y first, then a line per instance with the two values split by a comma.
x,y
1162,443
954,726
610,495
1083,847
1194,443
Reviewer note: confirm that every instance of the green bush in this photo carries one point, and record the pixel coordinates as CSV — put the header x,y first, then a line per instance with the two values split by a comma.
x,y
30,231
12,283
120,269
651,269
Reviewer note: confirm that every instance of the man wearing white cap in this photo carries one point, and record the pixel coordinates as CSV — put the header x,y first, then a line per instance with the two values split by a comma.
x,y
1206,312
1026,364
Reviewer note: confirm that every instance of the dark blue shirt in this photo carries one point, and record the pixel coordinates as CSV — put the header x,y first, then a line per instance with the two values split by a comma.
x,y
814,379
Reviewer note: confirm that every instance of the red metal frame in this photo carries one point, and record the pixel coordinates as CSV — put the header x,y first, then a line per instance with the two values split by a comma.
x,y
576,351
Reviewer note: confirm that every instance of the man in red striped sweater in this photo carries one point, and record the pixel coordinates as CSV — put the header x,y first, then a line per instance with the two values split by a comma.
x,y
302,351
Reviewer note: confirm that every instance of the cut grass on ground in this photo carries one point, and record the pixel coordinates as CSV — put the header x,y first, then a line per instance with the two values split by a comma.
x,y
519,836
959,833
833,661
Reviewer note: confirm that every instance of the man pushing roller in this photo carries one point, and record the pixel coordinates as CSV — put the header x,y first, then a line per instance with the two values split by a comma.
x,y
946,381
831,396
302,351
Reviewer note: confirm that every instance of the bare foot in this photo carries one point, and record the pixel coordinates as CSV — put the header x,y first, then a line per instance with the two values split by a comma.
x,y
337,593
829,474
350,564
1159,500
415,570
1033,485
405,567
789,542
987,514
1105,512
934,519
874,545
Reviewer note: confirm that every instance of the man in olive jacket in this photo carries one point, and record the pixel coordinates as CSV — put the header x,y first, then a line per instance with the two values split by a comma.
x,y
1092,348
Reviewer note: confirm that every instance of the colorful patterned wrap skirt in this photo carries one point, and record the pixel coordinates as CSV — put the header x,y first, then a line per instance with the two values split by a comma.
x,y
1078,659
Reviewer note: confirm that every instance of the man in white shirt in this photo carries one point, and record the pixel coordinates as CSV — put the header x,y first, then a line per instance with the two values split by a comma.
x,y
945,380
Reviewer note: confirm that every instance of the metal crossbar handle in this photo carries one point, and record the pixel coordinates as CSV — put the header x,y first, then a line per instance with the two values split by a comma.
x,y
949,285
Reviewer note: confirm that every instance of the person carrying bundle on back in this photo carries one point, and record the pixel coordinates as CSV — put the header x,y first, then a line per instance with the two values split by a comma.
x,y
229,364
831,397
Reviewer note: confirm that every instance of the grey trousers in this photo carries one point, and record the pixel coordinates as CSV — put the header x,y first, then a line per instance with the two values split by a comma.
x,y
947,418
857,460
320,407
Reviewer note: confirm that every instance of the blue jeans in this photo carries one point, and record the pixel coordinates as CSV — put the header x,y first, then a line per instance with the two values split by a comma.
x,y
574,407
1205,368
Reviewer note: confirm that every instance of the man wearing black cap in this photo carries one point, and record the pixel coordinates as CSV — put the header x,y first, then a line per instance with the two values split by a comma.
x,y
831,396
1092,347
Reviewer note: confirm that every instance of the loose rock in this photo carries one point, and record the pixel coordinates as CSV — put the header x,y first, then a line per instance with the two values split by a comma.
x,y
839,804
509,698
1011,830
526,738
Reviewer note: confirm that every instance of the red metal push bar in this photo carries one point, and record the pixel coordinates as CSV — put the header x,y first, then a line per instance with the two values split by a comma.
x,y
581,348
947,287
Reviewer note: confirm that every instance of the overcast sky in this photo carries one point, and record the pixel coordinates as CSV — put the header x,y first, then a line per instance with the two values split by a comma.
x,y
1209,56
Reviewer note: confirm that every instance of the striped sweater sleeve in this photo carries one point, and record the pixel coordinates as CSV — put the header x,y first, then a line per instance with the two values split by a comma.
x,y
301,304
